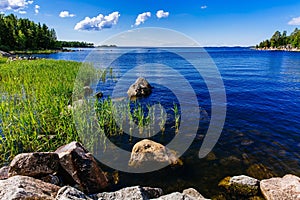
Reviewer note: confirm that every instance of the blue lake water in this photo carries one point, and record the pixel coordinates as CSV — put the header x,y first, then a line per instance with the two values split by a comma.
x,y
261,135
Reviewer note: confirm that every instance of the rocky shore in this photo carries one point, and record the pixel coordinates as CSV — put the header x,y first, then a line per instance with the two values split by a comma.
x,y
72,173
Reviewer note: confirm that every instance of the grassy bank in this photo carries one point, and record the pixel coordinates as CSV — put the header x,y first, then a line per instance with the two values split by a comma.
x,y
34,106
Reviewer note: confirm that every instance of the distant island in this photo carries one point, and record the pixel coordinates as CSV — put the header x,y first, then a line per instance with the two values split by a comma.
x,y
23,36
282,42
107,46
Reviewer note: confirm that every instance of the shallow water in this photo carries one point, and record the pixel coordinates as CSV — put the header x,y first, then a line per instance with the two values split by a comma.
x,y
261,135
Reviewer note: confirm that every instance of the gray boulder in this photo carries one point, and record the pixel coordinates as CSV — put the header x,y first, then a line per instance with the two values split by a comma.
x,y
176,196
82,167
193,193
141,88
136,192
23,187
70,193
287,187
34,164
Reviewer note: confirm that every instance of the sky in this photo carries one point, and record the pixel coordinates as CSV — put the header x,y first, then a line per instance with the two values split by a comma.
x,y
208,22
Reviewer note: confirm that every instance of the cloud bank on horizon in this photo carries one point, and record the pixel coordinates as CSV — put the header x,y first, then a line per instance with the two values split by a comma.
x,y
98,23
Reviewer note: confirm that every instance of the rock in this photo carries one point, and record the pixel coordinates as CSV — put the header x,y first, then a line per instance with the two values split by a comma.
x,y
70,193
87,91
141,88
193,193
23,187
136,192
244,185
34,164
287,187
260,172
4,173
176,196
99,94
53,179
5,54
147,151
82,167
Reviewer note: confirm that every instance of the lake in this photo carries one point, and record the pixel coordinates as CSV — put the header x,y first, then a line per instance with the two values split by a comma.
x,y
261,135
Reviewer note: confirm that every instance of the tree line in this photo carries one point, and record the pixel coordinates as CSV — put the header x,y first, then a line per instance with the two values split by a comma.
x,y
282,40
24,34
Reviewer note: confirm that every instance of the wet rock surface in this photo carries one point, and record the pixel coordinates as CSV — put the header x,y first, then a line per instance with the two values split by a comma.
x,y
148,151
141,88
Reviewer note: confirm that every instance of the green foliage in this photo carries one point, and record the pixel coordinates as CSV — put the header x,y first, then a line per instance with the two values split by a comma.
x,y
23,34
282,40
34,113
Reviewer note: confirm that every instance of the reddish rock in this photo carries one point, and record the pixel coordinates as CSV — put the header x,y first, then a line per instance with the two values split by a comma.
x,y
149,151
287,187
34,164
82,167
23,187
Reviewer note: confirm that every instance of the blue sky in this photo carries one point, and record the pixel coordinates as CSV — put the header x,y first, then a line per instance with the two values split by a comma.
x,y
210,23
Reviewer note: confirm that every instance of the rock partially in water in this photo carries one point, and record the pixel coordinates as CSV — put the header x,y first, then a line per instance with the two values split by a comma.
x,y
70,193
136,192
147,151
36,164
240,186
23,187
287,187
260,171
82,167
4,173
141,88
244,185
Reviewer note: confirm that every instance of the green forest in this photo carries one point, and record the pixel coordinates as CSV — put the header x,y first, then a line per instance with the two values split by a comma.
x,y
282,40
24,34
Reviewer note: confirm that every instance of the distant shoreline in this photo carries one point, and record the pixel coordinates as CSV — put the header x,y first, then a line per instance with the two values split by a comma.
x,y
278,49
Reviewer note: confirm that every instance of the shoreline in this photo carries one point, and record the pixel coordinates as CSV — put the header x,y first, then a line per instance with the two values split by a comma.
x,y
278,49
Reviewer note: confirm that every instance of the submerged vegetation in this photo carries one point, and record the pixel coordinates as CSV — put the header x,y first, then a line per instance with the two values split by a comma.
x,y
40,99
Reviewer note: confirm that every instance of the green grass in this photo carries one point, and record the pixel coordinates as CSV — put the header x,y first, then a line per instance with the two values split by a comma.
x,y
33,106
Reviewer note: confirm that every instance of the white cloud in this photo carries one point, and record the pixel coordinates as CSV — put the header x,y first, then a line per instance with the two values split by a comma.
x,y
15,5
162,14
64,14
22,12
295,21
37,9
203,7
98,23
141,18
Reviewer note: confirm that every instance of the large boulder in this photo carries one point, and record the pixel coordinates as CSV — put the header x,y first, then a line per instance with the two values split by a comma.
x,y
193,193
82,167
141,88
287,187
36,164
70,193
136,192
23,187
148,151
